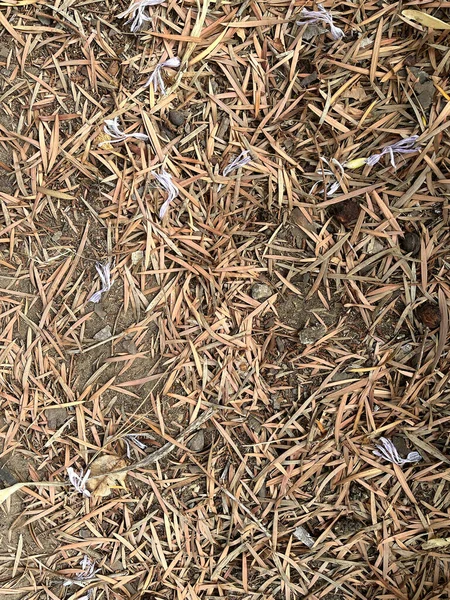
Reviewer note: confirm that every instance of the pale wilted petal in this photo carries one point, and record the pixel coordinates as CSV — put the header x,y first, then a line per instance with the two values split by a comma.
x,y
79,481
336,184
156,77
138,15
113,130
104,272
389,452
313,16
406,146
243,159
166,182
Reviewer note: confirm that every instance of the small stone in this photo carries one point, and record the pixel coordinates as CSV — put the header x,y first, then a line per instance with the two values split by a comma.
x,y
177,118
84,533
260,291
429,315
281,344
374,246
44,20
263,491
309,80
56,416
304,536
411,243
6,478
99,311
195,469
197,442
425,93
130,347
309,335
103,334
401,445
276,402
136,257
170,135
254,424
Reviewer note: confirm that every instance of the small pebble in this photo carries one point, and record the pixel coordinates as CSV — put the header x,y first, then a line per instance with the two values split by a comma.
x,y
6,478
304,536
254,424
56,416
197,442
176,117
263,491
99,311
44,20
410,243
309,335
429,315
103,334
195,469
374,246
136,257
261,291
130,347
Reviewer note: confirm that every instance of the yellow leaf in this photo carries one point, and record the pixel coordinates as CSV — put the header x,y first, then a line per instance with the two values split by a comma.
x,y
101,482
436,543
425,19
102,140
9,491
356,163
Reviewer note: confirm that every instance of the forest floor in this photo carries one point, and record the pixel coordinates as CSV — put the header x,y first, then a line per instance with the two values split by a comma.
x,y
290,311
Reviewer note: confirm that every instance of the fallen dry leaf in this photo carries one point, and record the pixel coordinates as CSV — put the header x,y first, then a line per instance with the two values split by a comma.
x,y
425,19
436,543
356,92
9,491
100,481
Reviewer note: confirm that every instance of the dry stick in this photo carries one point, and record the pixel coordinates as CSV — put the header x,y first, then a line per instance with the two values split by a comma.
x,y
167,448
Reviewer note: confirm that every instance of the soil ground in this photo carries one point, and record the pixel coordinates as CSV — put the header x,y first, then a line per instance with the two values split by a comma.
x,y
295,314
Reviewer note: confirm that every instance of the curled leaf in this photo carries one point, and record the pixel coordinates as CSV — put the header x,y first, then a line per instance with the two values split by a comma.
x,y
101,480
425,19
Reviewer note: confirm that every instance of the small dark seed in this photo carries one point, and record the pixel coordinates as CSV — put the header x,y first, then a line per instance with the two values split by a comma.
x,y
411,243
429,315
176,117
346,212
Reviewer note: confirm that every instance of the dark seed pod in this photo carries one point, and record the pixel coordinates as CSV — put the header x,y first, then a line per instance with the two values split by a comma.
x,y
411,243
346,212
176,117
429,315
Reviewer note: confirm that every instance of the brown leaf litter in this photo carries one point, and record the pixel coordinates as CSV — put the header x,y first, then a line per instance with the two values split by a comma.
x,y
289,311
